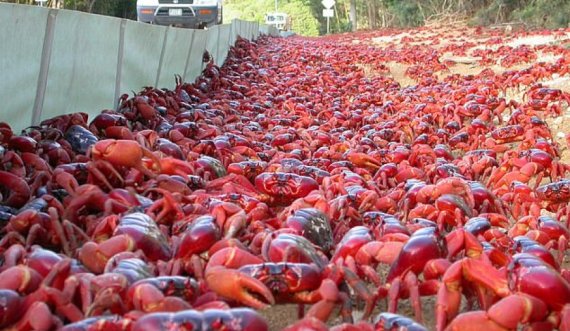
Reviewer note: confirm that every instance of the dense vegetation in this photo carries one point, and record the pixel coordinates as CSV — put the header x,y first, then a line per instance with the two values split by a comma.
x,y
118,8
370,14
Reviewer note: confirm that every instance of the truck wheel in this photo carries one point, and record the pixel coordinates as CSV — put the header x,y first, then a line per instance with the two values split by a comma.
x,y
209,25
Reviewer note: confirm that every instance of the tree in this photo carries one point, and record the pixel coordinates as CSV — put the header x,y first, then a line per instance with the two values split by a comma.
x,y
301,12
353,15
372,12
308,19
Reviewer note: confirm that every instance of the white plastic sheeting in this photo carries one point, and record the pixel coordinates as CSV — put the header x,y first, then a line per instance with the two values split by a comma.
x,y
56,62
20,58
223,43
175,55
82,65
194,67
212,42
142,47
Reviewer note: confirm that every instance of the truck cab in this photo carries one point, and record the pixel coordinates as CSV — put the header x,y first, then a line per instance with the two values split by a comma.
x,y
182,13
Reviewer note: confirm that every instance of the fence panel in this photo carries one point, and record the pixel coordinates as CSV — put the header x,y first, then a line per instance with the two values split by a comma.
x,y
83,64
212,41
142,48
56,62
195,65
20,61
223,43
175,56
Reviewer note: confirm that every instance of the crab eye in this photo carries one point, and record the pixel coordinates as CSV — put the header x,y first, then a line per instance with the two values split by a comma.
x,y
261,271
291,274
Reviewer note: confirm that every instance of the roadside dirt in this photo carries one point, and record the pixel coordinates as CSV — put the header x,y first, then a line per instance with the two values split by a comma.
x,y
469,65
466,64
560,126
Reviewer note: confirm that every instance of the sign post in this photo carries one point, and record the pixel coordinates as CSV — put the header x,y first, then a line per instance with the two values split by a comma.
x,y
328,12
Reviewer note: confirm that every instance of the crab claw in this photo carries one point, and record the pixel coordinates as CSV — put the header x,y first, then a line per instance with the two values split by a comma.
x,y
363,160
126,153
235,285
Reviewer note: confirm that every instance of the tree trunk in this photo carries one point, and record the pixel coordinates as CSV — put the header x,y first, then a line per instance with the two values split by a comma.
x,y
90,5
383,13
371,14
353,14
422,13
337,17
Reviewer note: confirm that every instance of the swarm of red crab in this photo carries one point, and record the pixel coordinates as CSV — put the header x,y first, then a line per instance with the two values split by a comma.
x,y
290,176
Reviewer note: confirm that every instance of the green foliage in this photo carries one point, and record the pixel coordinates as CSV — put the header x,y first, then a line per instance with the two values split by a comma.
x,y
307,16
545,13
308,20
338,26
117,8
534,13
406,13
486,16
250,10
303,21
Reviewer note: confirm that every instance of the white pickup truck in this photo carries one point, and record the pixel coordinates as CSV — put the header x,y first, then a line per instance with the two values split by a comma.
x,y
184,13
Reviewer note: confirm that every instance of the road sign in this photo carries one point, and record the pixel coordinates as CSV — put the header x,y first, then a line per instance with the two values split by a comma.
x,y
328,3
328,13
